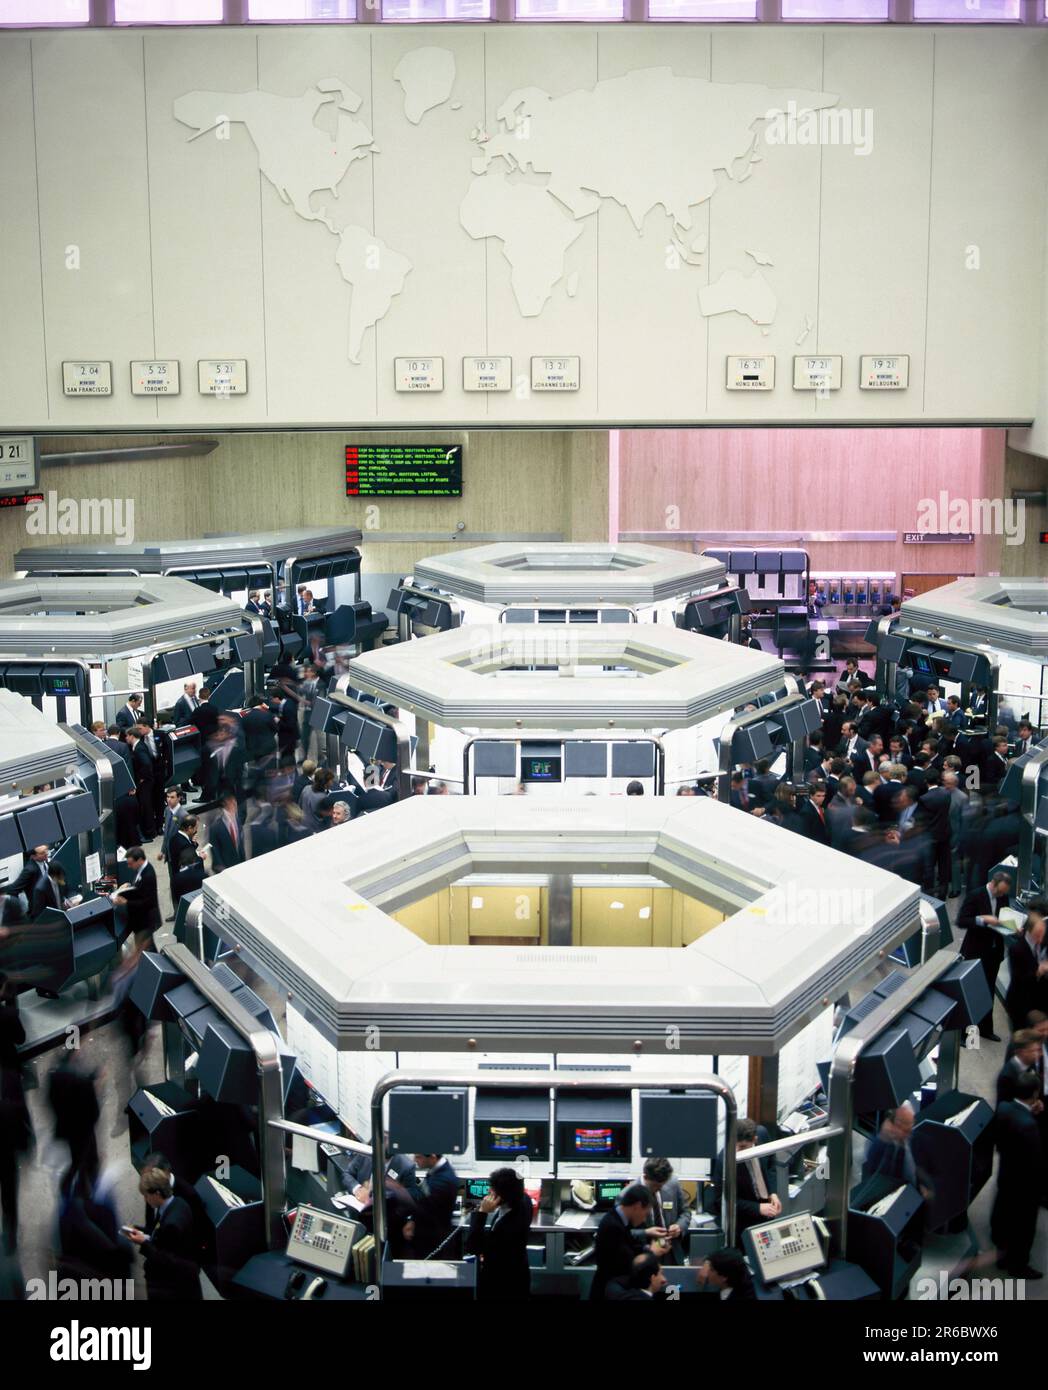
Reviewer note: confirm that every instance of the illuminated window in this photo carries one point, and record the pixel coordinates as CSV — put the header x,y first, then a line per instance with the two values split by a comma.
x,y
279,11
436,9
44,11
570,9
966,11
167,11
703,9
834,9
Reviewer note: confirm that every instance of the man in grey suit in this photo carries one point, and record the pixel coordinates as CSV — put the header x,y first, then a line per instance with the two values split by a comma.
x,y
670,1214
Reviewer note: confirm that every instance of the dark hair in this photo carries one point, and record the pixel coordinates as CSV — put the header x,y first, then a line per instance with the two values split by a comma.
x,y
635,789
745,1130
658,1169
1038,905
134,852
634,1194
730,1265
643,1270
507,1184
1027,1086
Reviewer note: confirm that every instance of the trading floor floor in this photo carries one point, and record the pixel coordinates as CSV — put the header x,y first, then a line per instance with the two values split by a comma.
x,y
39,1183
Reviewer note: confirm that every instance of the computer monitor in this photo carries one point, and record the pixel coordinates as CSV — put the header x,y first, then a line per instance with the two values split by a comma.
x,y
594,1127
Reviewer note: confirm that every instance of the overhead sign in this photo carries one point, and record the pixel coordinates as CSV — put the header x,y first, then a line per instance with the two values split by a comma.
x,y
403,470
938,537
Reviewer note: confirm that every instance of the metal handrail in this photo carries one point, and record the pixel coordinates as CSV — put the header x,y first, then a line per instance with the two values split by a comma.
x,y
559,1081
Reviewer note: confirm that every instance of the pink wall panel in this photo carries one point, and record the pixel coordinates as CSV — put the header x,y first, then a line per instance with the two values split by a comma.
x,y
815,480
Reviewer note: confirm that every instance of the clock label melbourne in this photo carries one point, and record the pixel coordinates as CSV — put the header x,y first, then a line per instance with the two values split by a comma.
x,y
817,373
87,378
222,376
884,373
487,373
418,373
154,378
751,374
555,373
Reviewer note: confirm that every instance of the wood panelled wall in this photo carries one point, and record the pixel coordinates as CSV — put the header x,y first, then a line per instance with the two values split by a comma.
x,y
514,481
1031,558
814,480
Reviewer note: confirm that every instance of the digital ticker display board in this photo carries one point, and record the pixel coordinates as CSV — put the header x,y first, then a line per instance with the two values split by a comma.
x,y
403,470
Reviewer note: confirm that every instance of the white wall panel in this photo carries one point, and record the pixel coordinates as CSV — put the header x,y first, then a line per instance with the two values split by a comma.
x,y
774,211
988,179
441,309
308,301
193,247
206,197
94,211
23,374
566,326
873,265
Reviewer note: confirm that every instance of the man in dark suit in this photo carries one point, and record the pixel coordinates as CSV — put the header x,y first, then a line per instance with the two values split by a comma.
x,y
144,769
954,712
36,883
888,1154
852,745
977,919
260,733
1027,965
186,704
139,898
1026,1054
886,796
116,744
1024,738
227,834
182,1189
287,724
754,1201
813,814
995,766
129,715
170,1251
225,766
616,1245
430,1223
933,818
205,715
899,751
869,759
1020,1175
739,794
644,1283
873,718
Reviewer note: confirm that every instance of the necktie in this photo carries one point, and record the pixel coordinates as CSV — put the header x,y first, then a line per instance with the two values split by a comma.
x,y
760,1187
234,830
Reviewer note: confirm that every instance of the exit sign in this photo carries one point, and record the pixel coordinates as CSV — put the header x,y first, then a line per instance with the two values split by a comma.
x,y
1044,537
